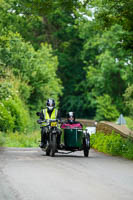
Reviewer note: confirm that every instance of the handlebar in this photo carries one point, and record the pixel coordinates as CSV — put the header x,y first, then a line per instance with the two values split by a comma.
x,y
39,121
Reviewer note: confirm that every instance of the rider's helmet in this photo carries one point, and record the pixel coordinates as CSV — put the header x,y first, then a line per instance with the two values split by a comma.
x,y
70,117
50,104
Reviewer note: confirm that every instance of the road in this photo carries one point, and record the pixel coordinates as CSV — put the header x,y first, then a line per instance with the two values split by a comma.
x,y
27,174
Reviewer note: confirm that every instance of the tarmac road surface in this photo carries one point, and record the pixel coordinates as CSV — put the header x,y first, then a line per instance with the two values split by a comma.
x,y
27,174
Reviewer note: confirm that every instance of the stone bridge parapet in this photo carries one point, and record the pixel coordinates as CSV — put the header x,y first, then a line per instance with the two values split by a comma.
x,y
109,127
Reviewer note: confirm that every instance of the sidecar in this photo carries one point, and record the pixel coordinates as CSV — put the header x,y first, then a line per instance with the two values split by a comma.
x,y
75,139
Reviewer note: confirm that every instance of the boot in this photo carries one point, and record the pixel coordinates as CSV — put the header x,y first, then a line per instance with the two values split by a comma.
x,y
43,140
42,145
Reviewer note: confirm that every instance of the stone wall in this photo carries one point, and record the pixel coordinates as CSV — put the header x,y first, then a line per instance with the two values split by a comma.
x,y
86,122
109,127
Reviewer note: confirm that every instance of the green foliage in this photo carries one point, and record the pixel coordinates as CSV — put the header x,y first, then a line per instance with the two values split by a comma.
x,y
94,55
5,90
109,13
128,97
48,6
129,122
113,144
52,22
44,79
25,91
36,69
108,63
18,113
6,120
14,115
2,139
128,148
105,109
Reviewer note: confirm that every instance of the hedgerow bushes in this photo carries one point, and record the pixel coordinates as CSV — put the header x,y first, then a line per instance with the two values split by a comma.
x,y
19,114
113,144
28,77
14,114
2,139
6,120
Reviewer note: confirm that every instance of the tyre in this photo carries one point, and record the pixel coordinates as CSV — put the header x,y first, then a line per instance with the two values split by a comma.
x,y
53,145
86,152
85,148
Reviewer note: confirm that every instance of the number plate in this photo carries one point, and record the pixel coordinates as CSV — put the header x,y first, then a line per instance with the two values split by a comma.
x,y
53,123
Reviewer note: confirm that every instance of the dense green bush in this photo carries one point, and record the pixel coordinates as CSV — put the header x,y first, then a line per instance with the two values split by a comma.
x,y
14,115
18,113
127,150
5,89
129,122
24,90
2,139
113,144
6,120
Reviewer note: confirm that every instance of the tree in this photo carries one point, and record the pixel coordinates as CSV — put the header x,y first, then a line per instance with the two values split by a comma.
x,y
105,109
37,69
109,13
108,61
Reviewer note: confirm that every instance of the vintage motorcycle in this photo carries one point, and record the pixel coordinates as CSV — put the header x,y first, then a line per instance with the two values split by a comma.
x,y
71,139
52,135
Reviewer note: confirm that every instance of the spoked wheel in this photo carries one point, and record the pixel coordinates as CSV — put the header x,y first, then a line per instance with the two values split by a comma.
x,y
53,145
86,152
85,148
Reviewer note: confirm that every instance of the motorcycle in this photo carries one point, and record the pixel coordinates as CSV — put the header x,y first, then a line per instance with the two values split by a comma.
x,y
72,139
52,135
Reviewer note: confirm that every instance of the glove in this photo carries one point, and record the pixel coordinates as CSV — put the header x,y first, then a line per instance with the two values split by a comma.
x,y
39,121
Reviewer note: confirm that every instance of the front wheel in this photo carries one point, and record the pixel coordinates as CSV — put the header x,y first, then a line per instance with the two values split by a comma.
x,y
53,145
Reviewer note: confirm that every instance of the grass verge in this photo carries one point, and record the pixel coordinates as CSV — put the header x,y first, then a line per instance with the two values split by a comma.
x,y
19,139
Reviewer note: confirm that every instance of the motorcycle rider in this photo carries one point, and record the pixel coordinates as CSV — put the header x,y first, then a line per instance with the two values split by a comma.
x,y
50,112
71,123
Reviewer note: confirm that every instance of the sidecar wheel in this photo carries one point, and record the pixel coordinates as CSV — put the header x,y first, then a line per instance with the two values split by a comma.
x,y
86,152
86,148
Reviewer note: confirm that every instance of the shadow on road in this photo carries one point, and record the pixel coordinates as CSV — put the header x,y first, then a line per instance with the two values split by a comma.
x,y
66,155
